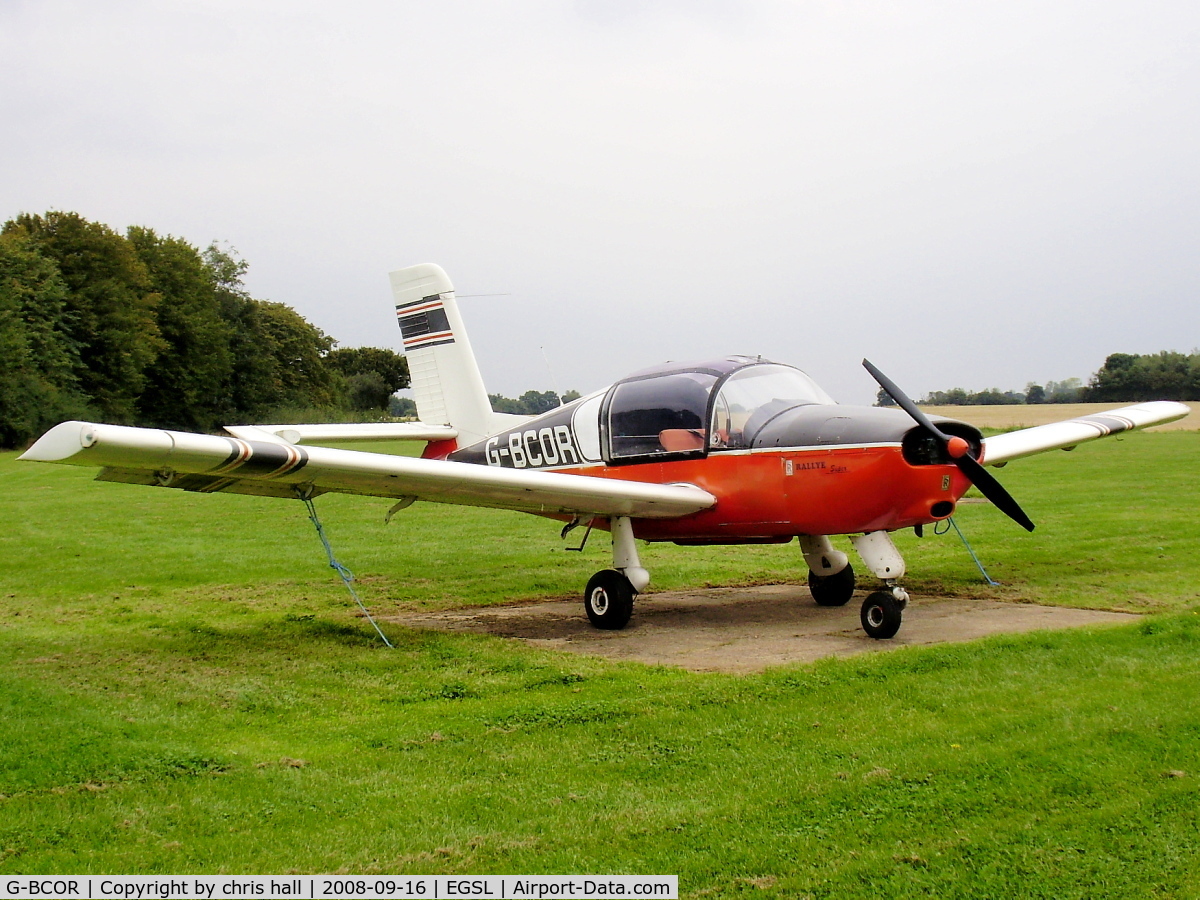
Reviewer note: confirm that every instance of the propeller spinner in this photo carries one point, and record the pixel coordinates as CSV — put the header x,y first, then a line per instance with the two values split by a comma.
x,y
957,449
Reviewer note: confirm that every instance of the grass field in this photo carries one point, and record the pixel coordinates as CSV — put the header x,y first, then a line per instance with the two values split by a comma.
x,y
183,688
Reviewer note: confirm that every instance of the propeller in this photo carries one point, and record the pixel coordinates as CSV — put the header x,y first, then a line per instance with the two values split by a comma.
x,y
958,450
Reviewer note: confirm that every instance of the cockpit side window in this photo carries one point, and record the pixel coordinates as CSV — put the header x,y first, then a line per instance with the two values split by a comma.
x,y
663,416
752,396
586,422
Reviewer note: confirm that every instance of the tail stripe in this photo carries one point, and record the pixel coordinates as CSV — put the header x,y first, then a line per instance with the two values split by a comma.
x,y
432,298
429,340
410,310
422,346
431,322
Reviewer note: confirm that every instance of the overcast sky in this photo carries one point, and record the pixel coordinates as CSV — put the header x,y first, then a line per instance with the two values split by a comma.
x,y
969,194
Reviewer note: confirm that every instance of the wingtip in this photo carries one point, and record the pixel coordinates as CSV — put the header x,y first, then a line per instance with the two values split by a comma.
x,y
61,442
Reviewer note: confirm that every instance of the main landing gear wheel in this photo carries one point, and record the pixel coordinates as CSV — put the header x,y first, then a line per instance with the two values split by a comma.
x,y
608,600
881,614
832,590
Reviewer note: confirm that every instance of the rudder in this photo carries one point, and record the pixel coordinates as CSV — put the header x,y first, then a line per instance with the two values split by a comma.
x,y
446,383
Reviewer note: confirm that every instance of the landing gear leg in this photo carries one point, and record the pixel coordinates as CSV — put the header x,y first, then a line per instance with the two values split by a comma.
x,y
882,611
830,575
608,598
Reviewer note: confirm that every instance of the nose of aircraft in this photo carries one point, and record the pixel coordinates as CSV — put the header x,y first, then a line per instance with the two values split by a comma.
x,y
957,449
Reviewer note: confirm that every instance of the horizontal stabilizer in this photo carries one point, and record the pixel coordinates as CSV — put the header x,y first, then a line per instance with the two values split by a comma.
x,y
1015,444
364,431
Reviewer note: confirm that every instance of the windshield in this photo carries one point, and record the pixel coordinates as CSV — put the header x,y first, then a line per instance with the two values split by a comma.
x,y
754,396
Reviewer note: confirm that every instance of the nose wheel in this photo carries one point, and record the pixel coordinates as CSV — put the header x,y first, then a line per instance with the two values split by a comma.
x,y
880,615
882,610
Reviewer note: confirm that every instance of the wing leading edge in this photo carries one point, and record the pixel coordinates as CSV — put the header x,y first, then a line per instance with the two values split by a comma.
x,y
1001,448
210,464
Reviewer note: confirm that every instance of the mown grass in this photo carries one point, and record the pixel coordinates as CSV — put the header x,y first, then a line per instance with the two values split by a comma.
x,y
184,688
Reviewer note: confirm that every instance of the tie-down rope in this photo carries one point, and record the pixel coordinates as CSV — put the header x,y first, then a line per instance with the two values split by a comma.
x,y
967,544
346,574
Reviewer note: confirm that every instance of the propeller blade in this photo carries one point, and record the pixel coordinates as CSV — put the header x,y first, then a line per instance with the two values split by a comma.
x,y
993,490
905,403
978,475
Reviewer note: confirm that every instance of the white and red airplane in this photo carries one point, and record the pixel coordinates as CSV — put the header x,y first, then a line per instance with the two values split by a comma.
x,y
737,450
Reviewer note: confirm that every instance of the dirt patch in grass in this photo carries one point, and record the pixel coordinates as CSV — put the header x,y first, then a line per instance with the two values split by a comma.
x,y
750,629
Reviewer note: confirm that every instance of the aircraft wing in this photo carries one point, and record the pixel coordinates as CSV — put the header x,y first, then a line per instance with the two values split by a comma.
x,y
210,464
1001,448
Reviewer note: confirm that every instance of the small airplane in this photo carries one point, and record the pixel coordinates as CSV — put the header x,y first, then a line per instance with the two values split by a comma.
x,y
736,450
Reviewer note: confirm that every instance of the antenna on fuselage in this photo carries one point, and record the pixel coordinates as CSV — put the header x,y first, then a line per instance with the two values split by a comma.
x,y
553,380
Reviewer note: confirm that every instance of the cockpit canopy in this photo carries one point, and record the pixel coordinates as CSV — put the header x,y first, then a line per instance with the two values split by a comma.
x,y
686,409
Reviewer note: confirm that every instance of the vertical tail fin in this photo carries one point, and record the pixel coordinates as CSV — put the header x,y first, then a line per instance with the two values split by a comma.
x,y
447,386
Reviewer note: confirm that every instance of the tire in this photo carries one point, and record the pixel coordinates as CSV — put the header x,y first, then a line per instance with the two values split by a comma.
x,y
832,590
880,615
608,600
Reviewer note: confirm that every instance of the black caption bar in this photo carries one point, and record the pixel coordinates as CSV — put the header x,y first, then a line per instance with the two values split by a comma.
x,y
338,887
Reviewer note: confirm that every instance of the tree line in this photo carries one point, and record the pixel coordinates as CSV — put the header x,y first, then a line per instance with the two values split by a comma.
x,y
531,403
1069,391
146,329
1166,375
1124,378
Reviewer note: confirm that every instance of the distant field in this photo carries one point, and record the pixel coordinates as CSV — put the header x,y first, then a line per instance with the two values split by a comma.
x,y
1021,416
184,688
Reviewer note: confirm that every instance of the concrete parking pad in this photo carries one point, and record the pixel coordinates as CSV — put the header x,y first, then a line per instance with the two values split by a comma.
x,y
750,629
